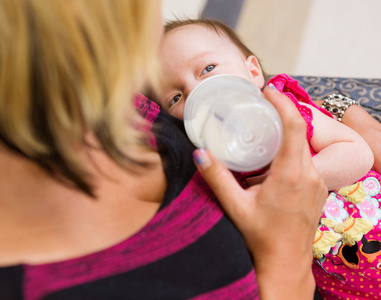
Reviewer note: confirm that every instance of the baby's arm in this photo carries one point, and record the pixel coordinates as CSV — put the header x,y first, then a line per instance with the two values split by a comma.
x,y
342,156
368,127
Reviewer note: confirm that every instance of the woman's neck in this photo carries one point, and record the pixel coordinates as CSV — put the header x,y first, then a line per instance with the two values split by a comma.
x,y
43,220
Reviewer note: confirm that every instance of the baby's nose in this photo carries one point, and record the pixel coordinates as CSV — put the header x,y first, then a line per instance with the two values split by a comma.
x,y
189,87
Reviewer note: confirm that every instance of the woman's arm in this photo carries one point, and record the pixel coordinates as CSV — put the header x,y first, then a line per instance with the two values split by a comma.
x,y
343,156
365,125
277,218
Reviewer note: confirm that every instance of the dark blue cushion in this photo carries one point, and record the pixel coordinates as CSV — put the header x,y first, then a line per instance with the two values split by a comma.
x,y
366,91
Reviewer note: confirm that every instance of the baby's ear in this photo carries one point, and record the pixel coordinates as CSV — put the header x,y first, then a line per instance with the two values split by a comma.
x,y
255,71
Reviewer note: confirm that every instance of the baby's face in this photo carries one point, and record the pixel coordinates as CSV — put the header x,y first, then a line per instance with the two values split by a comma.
x,y
192,53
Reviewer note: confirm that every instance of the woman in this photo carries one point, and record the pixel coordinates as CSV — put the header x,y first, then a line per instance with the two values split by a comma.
x,y
94,207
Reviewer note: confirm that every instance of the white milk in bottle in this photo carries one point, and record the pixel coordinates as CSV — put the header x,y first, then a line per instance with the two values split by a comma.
x,y
229,116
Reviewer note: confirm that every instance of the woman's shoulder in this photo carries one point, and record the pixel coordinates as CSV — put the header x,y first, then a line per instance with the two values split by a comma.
x,y
190,238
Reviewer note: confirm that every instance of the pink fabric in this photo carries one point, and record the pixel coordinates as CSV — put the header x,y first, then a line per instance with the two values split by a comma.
x,y
149,110
241,289
360,279
173,228
291,88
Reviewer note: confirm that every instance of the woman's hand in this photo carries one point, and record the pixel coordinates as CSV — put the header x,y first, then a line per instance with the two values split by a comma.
x,y
278,218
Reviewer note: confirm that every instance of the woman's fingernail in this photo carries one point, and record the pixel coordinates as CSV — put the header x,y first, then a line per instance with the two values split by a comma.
x,y
202,159
272,87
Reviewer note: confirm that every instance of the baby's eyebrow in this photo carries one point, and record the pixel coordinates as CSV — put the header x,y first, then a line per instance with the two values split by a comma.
x,y
199,56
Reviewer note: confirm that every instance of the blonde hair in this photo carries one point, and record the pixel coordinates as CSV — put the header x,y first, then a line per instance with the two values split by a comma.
x,y
69,68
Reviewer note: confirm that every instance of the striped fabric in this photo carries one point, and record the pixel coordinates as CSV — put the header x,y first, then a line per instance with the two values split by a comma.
x,y
188,250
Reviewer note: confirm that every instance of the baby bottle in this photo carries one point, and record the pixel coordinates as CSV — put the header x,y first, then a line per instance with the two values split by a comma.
x,y
229,116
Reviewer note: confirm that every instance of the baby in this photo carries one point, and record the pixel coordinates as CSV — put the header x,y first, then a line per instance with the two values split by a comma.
x,y
191,53
194,50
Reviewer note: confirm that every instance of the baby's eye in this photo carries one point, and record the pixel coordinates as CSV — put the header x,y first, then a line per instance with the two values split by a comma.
x,y
208,69
174,100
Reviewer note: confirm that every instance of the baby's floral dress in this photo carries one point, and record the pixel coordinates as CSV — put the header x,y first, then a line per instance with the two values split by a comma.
x,y
347,245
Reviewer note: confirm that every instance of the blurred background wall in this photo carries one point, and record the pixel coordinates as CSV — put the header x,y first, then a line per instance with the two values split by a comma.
x,y
334,38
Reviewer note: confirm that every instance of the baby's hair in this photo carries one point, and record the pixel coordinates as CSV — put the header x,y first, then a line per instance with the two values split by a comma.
x,y
219,28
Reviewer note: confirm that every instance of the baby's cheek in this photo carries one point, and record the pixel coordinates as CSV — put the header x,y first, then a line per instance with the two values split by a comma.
x,y
177,111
